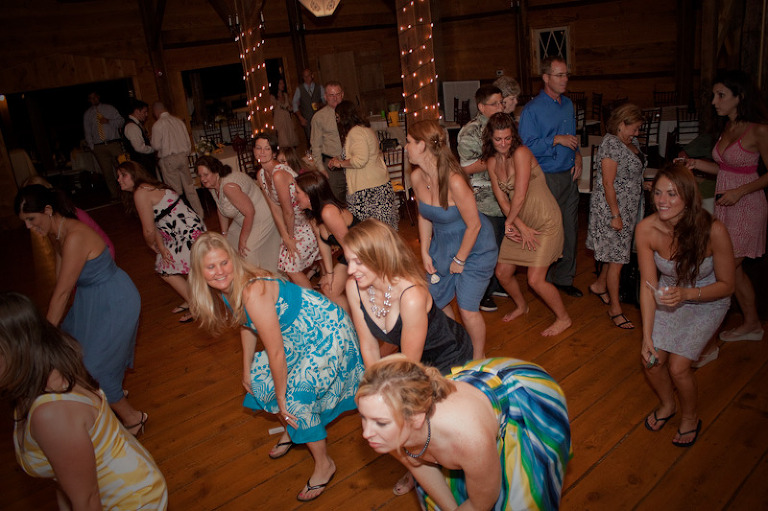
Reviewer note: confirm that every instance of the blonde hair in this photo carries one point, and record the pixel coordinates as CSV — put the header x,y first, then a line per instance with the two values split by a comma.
x,y
625,114
384,252
434,137
408,388
205,303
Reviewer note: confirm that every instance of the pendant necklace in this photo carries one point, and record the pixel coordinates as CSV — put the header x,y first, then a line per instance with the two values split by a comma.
x,y
426,444
380,312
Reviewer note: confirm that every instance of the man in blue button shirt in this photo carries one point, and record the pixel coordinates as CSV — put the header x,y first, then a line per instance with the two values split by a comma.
x,y
548,129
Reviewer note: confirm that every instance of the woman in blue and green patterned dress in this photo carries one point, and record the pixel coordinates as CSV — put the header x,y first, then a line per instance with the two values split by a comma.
x,y
494,433
310,366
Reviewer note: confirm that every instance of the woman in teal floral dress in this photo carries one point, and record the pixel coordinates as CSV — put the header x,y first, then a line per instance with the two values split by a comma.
x,y
310,366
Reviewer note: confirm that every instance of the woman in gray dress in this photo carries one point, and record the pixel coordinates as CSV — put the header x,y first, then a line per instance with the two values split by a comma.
x,y
615,205
686,260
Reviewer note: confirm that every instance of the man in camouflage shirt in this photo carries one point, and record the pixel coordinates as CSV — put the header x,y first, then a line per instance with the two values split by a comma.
x,y
470,148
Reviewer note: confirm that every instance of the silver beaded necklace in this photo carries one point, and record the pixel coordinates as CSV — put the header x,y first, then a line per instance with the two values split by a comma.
x,y
380,312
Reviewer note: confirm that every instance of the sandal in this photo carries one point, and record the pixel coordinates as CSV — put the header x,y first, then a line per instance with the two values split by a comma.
x,y
404,485
187,318
657,419
179,309
603,298
309,487
624,325
692,441
279,454
139,425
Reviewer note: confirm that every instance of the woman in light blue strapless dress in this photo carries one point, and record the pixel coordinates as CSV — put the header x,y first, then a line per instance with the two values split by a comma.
x,y
458,247
104,316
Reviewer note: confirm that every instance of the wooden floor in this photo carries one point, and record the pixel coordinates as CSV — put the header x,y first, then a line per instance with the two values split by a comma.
x,y
213,452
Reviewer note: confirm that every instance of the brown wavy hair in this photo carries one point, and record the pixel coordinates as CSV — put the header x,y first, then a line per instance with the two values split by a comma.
x,y
31,348
690,238
436,140
499,121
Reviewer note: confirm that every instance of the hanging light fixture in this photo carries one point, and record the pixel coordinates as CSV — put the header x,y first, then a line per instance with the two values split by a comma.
x,y
320,8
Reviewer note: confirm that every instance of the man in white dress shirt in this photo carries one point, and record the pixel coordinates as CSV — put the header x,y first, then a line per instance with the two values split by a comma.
x,y
171,141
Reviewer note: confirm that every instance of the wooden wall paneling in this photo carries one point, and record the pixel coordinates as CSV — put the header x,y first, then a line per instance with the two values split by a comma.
x,y
475,49
370,80
340,66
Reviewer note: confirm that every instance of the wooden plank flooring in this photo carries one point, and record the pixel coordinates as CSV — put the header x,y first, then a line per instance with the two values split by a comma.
x,y
213,452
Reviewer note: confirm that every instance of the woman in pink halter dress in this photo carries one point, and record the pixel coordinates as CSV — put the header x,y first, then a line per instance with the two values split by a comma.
x,y
740,201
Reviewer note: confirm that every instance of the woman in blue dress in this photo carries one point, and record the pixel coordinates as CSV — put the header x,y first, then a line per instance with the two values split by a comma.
x,y
493,434
104,316
309,369
458,247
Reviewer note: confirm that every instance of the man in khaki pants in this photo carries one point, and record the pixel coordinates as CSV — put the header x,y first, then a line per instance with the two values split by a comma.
x,y
171,141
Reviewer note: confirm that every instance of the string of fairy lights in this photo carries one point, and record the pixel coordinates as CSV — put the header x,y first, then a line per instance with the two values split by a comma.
x,y
416,55
418,61
255,72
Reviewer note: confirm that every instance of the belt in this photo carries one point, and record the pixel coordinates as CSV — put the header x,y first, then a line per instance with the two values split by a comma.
x,y
107,142
326,157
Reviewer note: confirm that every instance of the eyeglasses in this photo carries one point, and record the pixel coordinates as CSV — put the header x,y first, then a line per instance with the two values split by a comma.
x,y
560,75
497,103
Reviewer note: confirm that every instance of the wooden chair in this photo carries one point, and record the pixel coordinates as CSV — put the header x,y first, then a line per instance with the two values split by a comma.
x,y
580,111
649,134
574,96
237,128
687,125
212,131
649,131
395,162
456,110
664,98
245,159
594,123
464,112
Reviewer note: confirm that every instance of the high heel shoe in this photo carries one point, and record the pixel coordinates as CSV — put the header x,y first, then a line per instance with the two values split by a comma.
x,y
140,425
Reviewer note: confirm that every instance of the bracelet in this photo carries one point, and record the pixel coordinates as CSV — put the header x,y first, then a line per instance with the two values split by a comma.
x,y
459,261
699,297
224,233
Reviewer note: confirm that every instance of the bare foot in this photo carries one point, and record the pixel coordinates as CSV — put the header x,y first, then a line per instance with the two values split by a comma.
x,y
557,327
515,314
320,477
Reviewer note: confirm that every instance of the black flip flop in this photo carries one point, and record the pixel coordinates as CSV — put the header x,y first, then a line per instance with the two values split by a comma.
x,y
658,419
695,436
280,444
315,487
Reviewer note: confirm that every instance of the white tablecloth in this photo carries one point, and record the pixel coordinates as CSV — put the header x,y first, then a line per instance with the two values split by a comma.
x,y
228,156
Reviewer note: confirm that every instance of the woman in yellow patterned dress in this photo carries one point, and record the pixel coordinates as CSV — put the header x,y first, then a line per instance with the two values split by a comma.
x,y
64,427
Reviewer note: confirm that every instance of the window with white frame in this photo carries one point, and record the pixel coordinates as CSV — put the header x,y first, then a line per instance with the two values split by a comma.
x,y
549,42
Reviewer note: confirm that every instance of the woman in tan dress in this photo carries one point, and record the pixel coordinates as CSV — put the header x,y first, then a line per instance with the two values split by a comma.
x,y
534,228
